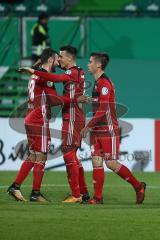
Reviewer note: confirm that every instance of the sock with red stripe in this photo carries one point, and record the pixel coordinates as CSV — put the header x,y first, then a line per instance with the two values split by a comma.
x,y
126,174
72,173
82,181
38,172
24,171
98,181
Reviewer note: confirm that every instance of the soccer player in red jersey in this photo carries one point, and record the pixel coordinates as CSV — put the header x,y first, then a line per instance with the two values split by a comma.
x,y
40,98
105,133
73,120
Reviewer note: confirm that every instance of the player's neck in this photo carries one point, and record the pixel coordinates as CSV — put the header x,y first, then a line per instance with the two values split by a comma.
x,y
46,67
98,74
71,65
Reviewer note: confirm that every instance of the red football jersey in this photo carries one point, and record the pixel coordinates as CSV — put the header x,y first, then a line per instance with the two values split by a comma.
x,y
73,80
104,112
40,97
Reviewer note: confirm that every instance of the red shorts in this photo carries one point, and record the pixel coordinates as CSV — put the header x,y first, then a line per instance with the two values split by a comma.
x,y
105,145
38,137
71,133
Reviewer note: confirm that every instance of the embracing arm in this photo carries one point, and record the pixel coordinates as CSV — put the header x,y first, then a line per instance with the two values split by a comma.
x,y
53,77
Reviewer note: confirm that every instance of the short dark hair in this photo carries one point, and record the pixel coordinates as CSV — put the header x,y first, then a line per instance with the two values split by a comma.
x,y
42,16
46,54
70,49
101,57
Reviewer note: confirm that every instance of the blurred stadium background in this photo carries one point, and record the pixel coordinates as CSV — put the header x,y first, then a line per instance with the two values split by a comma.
x,y
129,30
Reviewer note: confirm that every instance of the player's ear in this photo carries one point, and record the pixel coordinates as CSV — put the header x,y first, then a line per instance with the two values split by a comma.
x,y
99,65
50,60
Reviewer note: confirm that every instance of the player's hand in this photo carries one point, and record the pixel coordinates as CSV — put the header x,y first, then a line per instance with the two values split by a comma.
x,y
90,99
26,70
82,99
84,132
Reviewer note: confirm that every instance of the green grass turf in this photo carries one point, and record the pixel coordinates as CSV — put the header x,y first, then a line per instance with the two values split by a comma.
x,y
118,218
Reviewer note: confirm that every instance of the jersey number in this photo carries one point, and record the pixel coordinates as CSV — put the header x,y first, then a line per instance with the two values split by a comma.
x,y
31,89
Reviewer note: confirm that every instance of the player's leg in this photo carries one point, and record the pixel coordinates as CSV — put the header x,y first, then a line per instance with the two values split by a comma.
x,y
69,151
112,163
72,174
78,126
26,166
82,182
38,173
98,170
41,149
98,180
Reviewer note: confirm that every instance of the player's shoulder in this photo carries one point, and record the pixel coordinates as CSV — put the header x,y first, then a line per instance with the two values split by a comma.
x,y
75,71
35,77
104,80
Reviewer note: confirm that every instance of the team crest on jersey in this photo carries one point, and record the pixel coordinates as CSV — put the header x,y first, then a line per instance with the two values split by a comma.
x,y
49,84
68,72
34,76
105,91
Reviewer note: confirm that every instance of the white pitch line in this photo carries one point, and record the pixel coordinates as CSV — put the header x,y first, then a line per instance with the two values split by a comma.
x,y
66,185
43,185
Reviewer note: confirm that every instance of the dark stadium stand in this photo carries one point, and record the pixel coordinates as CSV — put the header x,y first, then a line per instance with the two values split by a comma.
x,y
82,7
111,6
27,8
12,92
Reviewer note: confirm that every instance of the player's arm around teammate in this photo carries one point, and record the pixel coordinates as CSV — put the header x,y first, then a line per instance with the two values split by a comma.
x,y
73,119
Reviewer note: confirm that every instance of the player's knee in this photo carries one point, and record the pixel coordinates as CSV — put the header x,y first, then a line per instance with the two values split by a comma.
x,y
41,157
32,157
111,164
97,161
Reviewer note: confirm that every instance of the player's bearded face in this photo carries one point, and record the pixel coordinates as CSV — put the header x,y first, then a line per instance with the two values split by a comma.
x,y
55,62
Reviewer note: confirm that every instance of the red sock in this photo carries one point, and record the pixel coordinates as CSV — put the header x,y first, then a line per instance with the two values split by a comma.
x,y
72,173
126,174
24,171
38,172
98,181
82,181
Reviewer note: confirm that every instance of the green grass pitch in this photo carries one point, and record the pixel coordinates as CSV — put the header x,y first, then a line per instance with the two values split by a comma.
x,y
118,218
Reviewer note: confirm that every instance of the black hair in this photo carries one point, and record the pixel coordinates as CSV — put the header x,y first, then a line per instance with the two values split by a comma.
x,y
42,16
101,57
70,49
46,54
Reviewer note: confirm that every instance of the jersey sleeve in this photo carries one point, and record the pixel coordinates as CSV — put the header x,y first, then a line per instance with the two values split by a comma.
x,y
53,77
104,94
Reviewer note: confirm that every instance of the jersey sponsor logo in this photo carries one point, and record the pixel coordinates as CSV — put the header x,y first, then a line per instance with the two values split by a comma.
x,y
31,87
34,76
105,91
68,72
